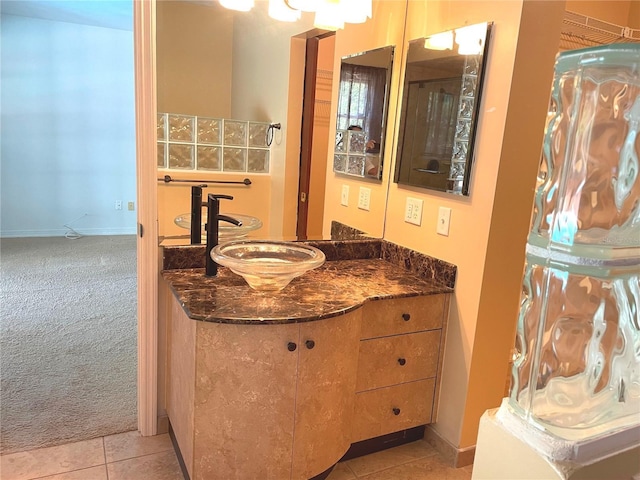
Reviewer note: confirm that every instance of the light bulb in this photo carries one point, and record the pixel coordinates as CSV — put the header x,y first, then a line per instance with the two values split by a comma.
x,y
303,5
439,41
239,5
329,15
279,10
470,39
356,11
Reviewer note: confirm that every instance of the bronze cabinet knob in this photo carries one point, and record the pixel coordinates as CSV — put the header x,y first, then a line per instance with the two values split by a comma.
x,y
402,361
396,411
310,344
291,346
406,317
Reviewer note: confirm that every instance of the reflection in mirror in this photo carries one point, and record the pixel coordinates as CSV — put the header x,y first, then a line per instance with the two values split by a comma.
x,y
362,109
440,104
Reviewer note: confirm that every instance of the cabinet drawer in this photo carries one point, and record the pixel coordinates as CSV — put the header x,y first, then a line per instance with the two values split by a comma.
x,y
402,315
374,413
402,358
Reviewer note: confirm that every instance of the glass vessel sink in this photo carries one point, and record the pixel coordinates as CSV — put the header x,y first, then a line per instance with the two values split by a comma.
x,y
225,230
267,265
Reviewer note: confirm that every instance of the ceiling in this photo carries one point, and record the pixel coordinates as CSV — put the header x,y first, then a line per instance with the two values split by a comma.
x,y
117,14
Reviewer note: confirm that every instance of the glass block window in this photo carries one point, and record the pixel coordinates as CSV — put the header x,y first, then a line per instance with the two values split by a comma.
x,y
189,142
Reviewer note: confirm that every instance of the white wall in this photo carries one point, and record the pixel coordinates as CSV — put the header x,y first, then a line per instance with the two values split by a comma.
x,y
68,130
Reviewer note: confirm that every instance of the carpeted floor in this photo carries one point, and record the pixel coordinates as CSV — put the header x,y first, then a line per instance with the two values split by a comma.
x,y
68,359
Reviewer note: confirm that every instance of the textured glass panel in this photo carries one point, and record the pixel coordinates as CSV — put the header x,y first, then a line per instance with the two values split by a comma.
x,y
577,362
209,158
463,129
356,142
234,160
355,165
162,155
258,134
466,107
209,130
181,156
235,133
472,64
258,160
457,170
341,141
161,126
339,163
181,128
469,83
460,151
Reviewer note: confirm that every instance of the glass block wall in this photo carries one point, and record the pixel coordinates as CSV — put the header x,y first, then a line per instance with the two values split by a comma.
x,y
187,142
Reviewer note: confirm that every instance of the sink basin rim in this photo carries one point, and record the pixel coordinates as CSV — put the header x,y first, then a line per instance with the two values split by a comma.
x,y
261,264
225,229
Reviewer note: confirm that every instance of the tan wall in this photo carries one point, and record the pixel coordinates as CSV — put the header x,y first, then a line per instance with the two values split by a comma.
x,y
488,229
612,11
384,29
194,59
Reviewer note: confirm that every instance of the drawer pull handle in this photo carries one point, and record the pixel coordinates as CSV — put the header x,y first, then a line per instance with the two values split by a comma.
x,y
402,361
406,317
396,411
291,346
310,344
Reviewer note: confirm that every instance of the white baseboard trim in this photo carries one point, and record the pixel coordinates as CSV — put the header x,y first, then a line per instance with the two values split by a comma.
x,y
456,457
61,232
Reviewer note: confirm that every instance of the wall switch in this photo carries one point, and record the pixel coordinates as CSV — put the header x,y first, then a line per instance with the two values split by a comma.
x,y
364,198
118,204
444,217
344,198
131,206
413,211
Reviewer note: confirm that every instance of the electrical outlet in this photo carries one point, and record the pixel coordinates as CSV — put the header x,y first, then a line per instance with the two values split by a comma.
x,y
364,198
444,217
413,211
344,198
131,206
118,204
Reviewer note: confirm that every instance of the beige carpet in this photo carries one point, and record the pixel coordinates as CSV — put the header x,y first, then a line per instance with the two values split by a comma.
x,y
68,359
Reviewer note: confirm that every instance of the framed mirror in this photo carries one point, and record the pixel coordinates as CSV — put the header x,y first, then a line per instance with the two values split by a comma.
x,y
362,110
440,104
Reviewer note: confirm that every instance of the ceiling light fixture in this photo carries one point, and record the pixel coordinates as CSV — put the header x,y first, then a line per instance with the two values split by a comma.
x,y
280,10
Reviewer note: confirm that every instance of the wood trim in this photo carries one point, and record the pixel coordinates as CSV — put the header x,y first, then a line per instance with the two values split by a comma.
x,y
144,21
306,143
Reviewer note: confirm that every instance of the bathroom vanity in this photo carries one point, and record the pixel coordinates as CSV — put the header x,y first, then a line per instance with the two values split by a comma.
x,y
264,385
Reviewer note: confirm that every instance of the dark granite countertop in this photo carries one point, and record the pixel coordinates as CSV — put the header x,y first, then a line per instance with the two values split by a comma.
x,y
335,288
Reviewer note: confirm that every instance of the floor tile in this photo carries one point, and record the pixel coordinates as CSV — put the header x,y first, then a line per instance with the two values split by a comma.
x,y
93,473
52,460
341,472
131,444
390,458
158,466
428,468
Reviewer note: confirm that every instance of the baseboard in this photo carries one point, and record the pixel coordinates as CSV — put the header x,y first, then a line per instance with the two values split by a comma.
x,y
455,457
61,232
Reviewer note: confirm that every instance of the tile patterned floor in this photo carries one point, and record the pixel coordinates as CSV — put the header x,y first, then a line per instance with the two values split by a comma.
x,y
128,456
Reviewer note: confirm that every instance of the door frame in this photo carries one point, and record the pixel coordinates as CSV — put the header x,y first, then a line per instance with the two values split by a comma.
x,y
144,27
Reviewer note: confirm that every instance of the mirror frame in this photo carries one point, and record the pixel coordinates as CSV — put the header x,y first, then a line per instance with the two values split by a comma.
x,y
340,134
459,179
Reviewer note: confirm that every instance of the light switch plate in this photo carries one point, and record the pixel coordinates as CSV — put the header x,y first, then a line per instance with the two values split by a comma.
x,y
444,217
413,211
364,198
344,198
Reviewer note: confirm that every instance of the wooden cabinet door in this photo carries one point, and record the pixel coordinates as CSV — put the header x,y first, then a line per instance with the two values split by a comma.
x,y
326,385
245,401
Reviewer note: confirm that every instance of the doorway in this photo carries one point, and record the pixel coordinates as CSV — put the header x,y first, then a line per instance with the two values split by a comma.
x,y
315,141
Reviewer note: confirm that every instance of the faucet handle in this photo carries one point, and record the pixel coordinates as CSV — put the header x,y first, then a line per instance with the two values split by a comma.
x,y
220,197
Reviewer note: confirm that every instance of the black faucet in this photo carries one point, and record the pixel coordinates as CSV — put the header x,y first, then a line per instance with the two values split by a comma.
x,y
213,219
196,214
